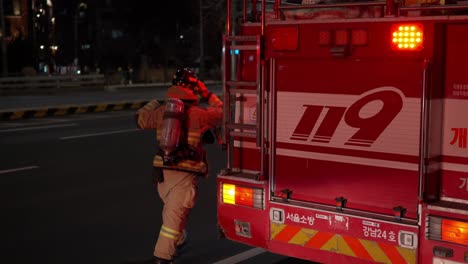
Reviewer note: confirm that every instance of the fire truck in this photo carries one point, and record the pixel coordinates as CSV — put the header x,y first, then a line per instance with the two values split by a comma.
x,y
345,130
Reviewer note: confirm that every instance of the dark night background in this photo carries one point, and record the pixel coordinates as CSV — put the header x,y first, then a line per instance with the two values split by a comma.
x,y
110,36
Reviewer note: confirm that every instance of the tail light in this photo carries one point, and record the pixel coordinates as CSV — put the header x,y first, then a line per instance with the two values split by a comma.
x,y
455,231
240,195
407,37
448,230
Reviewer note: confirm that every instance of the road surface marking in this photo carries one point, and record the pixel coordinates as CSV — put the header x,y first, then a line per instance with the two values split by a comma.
x,y
19,169
36,127
242,256
100,134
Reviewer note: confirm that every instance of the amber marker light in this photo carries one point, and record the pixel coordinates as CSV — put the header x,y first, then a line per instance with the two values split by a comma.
x,y
407,37
455,231
229,193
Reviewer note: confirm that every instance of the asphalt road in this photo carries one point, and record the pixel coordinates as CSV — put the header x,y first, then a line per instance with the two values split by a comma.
x,y
77,189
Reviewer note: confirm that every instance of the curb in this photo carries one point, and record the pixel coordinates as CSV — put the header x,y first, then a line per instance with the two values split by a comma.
x,y
62,110
95,107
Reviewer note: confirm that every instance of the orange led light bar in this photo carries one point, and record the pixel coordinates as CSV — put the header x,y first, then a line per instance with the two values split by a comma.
x,y
455,231
407,37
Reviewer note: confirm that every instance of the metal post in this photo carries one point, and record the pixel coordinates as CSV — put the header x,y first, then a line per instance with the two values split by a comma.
x,y
254,10
390,8
272,124
227,77
245,11
276,8
232,17
34,36
263,19
3,40
228,18
75,27
202,52
424,123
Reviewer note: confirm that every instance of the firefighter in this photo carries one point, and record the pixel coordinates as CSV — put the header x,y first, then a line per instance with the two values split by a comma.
x,y
180,123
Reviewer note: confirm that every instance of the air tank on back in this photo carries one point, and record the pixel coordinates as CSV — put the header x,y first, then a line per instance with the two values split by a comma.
x,y
172,126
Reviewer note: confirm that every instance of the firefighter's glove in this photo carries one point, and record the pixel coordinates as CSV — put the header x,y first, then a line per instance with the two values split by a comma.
x,y
202,90
158,176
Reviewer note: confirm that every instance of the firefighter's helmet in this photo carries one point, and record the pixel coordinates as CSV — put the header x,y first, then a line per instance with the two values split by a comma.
x,y
185,85
185,77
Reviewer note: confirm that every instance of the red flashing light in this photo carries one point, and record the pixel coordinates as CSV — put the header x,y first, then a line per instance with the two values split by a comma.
x,y
407,37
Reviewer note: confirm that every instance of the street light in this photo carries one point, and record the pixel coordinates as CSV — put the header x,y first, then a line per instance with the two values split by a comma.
x,y
79,13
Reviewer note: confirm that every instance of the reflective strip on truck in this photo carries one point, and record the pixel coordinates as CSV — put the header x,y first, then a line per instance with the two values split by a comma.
x,y
346,245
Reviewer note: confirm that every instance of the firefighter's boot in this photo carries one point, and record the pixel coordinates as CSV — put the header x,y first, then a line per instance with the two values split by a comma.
x,y
181,243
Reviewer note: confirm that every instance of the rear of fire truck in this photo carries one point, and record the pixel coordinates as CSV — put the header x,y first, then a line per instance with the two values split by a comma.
x,y
346,131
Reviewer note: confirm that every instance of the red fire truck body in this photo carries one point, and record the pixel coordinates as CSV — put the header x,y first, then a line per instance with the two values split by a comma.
x,y
346,132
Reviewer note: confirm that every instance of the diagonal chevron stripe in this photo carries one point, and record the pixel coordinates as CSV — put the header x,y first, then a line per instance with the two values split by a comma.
x,y
118,106
40,113
357,247
392,253
407,254
17,115
287,233
302,237
100,108
375,251
67,110
319,240
82,109
345,245
61,112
